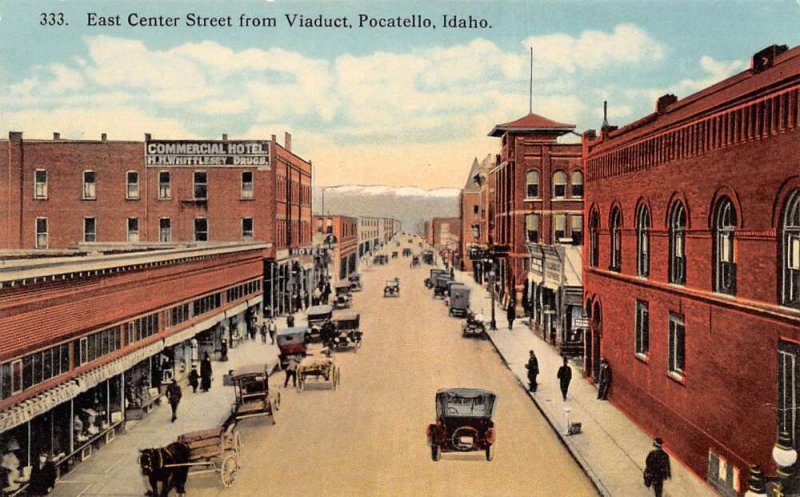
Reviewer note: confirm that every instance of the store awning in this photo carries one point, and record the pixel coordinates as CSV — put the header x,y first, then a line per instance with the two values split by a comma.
x,y
91,378
196,328
41,403
535,277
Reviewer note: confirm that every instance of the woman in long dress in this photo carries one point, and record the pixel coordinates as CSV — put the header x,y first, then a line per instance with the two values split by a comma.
x,y
205,373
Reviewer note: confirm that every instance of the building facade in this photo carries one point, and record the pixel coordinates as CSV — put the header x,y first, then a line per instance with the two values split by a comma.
x,y
344,256
692,268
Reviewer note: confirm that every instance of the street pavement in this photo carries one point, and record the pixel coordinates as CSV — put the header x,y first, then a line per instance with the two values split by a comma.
x,y
367,438
611,448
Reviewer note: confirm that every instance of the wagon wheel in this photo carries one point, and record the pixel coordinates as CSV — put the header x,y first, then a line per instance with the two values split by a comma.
x,y
272,410
228,468
489,452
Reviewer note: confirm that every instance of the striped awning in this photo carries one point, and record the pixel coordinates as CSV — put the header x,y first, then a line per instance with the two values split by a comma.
x,y
41,403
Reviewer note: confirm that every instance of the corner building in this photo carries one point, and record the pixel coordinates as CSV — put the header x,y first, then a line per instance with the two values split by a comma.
x,y
692,268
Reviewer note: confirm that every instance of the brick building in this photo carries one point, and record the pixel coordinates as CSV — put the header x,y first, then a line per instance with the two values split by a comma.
x,y
470,214
90,366
445,233
97,195
344,258
692,268
537,197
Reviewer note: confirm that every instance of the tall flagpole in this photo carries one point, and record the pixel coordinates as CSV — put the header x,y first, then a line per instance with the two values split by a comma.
x,y
530,93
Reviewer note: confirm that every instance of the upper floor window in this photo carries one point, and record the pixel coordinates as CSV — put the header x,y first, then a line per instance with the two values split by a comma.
x,y
577,184
89,185
200,181
40,184
247,228
577,230
532,228
532,184
724,265
247,184
559,227
559,184
677,345
200,229
642,328
164,185
616,239
41,232
476,209
133,229
164,230
594,238
89,229
677,242
643,241
132,185
790,294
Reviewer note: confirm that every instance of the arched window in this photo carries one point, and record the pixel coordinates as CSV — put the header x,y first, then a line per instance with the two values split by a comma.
x,y
532,184
677,242
559,184
791,252
724,265
616,240
594,239
577,184
643,241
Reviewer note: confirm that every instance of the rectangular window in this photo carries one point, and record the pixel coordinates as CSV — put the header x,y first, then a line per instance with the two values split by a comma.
x,y
89,185
642,328
164,186
133,229
559,227
16,376
41,232
89,229
788,353
532,228
132,185
247,228
247,184
476,209
201,229
83,348
200,185
677,345
577,230
40,184
164,230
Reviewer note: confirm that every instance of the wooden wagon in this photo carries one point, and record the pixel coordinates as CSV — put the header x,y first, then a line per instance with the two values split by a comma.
x,y
321,369
252,395
214,451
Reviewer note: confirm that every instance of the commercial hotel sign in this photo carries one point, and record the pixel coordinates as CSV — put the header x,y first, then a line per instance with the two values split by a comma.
x,y
243,153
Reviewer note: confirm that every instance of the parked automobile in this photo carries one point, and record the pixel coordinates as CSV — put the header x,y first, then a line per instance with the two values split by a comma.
x,y
459,299
441,285
317,315
292,342
463,422
431,280
348,331
473,326
343,299
355,282
392,288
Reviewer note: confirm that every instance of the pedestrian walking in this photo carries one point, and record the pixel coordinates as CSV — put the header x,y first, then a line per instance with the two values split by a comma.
x,y
290,321
533,370
272,328
511,314
174,395
223,350
251,328
316,294
564,377
656,468
604,380
205,373
263,332
291,371
194,379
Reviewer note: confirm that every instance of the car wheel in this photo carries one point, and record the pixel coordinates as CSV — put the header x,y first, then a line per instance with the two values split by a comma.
x,y
489,452
436,452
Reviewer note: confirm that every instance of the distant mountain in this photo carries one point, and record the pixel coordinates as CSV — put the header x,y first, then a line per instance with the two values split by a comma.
x,y
410,205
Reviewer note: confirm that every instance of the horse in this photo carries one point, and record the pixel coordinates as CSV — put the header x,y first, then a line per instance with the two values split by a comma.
x,y
166,465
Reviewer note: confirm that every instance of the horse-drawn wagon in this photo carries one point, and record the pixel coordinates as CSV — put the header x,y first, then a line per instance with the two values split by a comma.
x,y
320,368
251,391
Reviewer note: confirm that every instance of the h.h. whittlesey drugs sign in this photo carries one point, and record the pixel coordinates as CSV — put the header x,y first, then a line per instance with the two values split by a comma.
x,y
242,153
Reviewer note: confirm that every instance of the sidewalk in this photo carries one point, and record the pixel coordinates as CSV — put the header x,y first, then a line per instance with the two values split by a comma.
x,y
610,448
112,470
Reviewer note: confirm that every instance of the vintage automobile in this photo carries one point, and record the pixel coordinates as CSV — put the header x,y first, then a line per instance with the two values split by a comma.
x,y
317,315
343,299
427,256
441,285
380,260
320,368
473,326
292,342
415,261
348,332
459,299
431,280
463,422
251,393
392,288
355,282
406,252
394,254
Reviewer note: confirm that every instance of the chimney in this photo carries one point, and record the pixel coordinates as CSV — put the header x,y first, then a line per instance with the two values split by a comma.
x,y
147,137
274,139
605,114
590,134
56,135
224,137
764,59
103,137
15,136
287,141
665,101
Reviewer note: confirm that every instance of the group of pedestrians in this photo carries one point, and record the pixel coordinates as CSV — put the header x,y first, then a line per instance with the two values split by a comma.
x,y
564,374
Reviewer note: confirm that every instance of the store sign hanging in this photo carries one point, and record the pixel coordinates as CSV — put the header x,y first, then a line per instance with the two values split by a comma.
x,y
193,153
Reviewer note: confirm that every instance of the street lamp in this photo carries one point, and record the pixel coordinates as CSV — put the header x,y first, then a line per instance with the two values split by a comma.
x,y
490,265
785,457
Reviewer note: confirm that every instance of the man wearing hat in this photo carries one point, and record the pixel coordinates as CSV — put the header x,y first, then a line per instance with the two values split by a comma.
x,y
604,380
656,468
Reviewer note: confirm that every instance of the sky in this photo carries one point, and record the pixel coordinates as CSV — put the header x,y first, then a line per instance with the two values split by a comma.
x,y
395,106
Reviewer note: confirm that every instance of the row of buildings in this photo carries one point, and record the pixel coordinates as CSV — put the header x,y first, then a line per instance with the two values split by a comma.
x,y
670,247
195,237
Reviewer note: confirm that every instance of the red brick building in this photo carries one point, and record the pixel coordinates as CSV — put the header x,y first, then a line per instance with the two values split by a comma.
x,y
692,267
470,210
73,368
344,259
95,195
537,198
